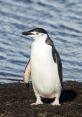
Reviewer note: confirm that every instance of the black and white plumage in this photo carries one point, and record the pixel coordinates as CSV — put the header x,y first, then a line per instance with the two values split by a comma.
x,y
45,67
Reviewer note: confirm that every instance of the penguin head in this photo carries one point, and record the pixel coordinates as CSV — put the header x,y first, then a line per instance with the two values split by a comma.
x,y
36,34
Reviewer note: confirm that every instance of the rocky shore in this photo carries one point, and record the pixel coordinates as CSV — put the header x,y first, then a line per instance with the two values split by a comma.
x,y
15,100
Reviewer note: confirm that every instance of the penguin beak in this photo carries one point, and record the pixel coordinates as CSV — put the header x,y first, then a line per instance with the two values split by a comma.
x,y
27,33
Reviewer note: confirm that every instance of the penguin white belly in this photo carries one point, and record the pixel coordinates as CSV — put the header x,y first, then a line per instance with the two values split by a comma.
x,y
44,71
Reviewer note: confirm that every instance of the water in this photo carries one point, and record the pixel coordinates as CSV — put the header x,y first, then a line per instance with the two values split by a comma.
x,y
63,21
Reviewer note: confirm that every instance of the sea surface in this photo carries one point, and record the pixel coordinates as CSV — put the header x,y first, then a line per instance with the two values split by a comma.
x,y
63,21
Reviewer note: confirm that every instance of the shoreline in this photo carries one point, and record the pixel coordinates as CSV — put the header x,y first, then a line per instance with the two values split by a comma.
x,y
15,100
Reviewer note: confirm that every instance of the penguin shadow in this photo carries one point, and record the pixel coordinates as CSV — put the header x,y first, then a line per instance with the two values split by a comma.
x,y
66,96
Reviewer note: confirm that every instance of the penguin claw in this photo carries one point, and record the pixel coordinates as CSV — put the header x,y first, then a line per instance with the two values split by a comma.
x,y
55,104
36,103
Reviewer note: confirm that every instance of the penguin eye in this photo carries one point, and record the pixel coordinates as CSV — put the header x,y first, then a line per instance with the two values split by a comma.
x,y
37,33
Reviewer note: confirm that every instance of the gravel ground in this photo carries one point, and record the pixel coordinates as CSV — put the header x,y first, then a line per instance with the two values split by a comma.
x,y
15,100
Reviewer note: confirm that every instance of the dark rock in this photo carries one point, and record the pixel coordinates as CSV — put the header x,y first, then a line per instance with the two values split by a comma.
x,y
15,100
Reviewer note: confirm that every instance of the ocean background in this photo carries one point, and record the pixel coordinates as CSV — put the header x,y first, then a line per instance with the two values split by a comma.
x,y
63,21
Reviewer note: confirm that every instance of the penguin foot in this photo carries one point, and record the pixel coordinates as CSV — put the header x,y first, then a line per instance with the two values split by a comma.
x,y
56,102
36,103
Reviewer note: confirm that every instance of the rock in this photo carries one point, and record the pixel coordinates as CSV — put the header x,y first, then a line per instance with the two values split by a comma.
x,y
15,100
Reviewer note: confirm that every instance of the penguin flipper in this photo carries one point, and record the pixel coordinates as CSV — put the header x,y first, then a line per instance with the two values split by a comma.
x,y
56,59
27,73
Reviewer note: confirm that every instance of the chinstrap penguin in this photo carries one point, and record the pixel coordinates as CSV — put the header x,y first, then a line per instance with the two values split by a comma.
x,y
44,66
